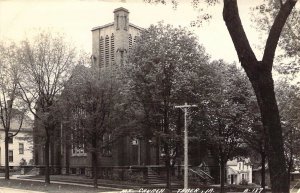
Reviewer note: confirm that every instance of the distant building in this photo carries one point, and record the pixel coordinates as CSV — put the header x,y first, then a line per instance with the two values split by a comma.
x,y
20,146
239,170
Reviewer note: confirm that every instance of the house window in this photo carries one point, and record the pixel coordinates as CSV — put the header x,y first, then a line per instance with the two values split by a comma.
x,y
21,148
10,138
107,147
78,150
10,156
239,166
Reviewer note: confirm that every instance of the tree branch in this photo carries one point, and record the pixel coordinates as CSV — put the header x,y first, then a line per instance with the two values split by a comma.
x,y
275,32
238,35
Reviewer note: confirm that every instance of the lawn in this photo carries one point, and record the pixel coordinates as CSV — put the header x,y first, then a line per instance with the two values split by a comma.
x,y
53,188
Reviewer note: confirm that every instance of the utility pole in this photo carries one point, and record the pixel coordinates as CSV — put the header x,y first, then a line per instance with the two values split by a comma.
x,y
185,108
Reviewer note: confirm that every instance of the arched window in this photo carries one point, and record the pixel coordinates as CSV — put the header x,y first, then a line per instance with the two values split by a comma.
x,y
106,50
112,49
101,52
130,41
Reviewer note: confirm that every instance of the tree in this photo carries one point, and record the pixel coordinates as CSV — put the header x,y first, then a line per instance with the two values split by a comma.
x,y
288,57
92,98
166,67
259,73
288,99
254,136
224,115
46,62
11,107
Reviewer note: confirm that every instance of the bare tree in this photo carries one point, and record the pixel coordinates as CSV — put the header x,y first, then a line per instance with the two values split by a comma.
x,y
11,108
46,63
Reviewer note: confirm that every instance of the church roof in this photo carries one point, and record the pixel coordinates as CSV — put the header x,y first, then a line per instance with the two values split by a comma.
x,y
121,9
111,24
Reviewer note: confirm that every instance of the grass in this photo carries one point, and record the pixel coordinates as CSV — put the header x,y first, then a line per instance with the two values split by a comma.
x,y
51,188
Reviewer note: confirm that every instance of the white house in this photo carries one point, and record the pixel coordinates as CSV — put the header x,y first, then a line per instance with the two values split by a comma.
x,y
20,146
239,170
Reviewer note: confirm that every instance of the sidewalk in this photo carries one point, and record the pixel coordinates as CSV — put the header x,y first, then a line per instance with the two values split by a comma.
x,y
13,190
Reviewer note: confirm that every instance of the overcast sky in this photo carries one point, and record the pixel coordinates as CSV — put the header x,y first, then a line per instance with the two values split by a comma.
x,y
76,18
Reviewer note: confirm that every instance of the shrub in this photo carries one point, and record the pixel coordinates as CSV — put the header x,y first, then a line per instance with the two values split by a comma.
x,y
244,182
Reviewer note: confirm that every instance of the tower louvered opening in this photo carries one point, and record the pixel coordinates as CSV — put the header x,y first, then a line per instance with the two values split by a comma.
x,y
112,49
130,41
107,51
101,52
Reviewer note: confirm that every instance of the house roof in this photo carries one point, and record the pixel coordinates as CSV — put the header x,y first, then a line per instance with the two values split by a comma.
x,y
230,170
232,162
235,161
27,125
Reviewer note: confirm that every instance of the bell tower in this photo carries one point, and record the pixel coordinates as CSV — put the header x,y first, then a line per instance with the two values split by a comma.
x,y
121,20
121,25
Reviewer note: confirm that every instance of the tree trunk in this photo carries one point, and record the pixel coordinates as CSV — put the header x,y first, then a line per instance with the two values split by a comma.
x,y
222,175
263,170
168,173
6,156
260,76
148,152
290,166
47,160
264,89
157,149
95,160
95,168
67,154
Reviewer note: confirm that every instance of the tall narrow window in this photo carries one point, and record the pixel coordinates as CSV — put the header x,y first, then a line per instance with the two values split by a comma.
x,y
21,148
78,134
10,156
122,57
130,41
117,22
125,22
106,50
134,40
106,146
112,49
101,52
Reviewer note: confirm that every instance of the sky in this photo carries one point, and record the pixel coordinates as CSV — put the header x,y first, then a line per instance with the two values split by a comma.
x,y
76,18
